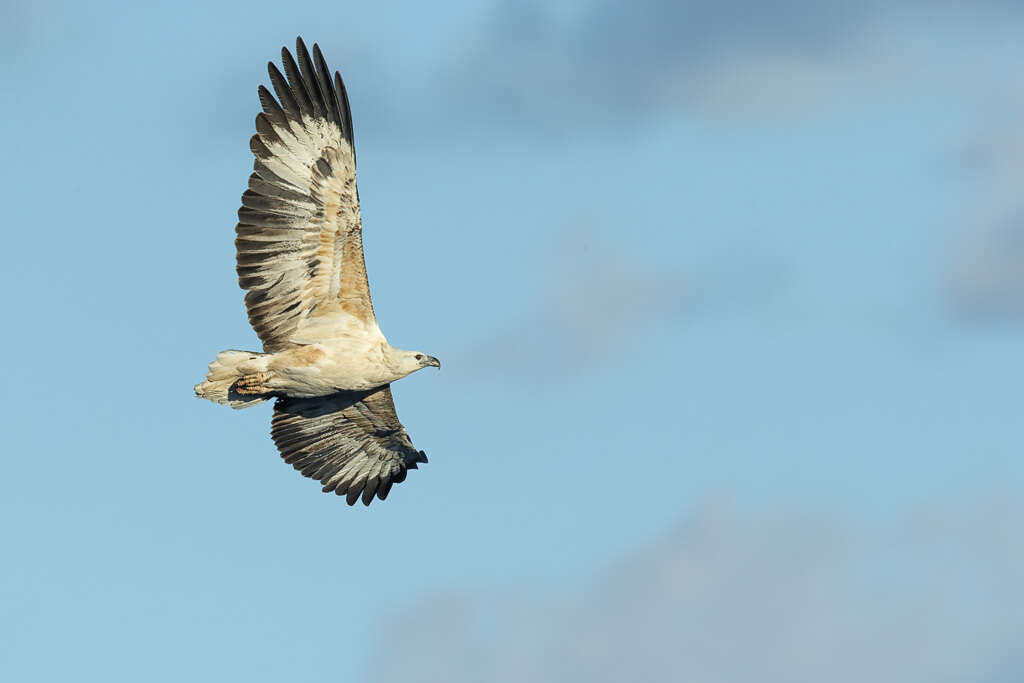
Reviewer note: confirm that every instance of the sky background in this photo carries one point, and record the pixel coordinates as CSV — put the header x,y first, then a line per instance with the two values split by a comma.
x,y
730,303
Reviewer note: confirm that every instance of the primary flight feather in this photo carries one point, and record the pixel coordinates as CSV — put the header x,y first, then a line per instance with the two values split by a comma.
x,y
300,259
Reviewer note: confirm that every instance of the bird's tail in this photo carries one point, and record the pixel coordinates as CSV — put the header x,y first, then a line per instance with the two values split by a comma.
x,y
235,378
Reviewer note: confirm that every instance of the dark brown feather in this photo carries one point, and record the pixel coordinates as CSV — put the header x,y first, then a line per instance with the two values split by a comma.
x,y
346,111
309,80
356,435
323,78
298,88
284,92
271,108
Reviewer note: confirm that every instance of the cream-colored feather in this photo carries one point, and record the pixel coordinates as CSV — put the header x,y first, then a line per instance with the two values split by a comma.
x,y
300,258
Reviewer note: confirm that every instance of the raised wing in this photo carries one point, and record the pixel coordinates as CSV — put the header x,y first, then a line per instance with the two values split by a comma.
x,y
300,244
352,442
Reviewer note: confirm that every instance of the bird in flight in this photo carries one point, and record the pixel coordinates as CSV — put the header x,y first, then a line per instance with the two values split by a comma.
x,y
300,259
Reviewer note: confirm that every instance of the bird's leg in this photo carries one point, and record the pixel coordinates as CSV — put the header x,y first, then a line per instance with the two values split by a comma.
x,y
255,383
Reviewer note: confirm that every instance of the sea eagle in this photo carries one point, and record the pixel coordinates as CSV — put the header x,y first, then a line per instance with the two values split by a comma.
x,y
300,259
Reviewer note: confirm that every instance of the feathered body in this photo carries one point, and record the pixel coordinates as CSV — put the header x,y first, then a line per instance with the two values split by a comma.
x,y
300,258
351,357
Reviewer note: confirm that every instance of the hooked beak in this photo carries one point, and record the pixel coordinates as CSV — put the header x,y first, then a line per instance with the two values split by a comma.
x,y
433,361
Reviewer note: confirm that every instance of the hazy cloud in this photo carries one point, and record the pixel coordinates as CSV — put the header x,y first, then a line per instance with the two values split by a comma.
x,y
748,594
21,26
596,300
984,276
614,62
594,297
554,68
985,280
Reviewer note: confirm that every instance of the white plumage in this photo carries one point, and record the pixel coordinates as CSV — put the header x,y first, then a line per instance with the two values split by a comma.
x,y
300,258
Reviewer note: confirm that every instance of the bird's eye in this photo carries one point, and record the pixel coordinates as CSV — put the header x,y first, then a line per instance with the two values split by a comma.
x,y
419,356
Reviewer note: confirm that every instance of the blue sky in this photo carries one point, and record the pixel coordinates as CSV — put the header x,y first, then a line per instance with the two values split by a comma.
x,y
687,266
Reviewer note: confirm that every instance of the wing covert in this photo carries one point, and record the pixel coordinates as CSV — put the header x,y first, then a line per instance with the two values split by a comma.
x,y
299,232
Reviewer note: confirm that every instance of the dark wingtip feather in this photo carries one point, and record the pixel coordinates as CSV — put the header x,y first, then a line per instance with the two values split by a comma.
x,y
310,81
323,75
346,110
353,495
385,488
271,108
370,490
422,457
284,92
298,88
